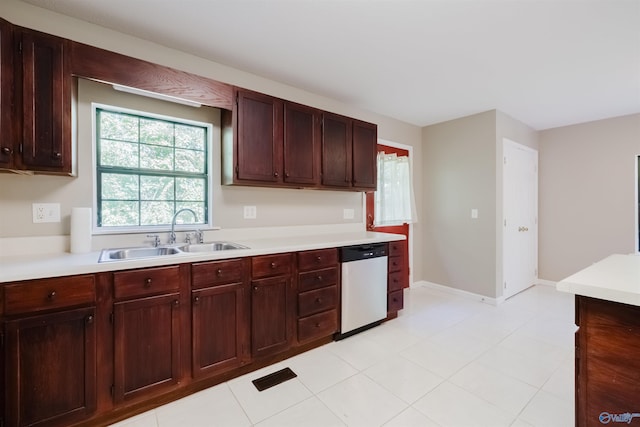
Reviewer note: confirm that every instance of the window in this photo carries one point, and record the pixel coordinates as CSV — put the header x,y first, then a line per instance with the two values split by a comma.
x,y
394,195
148,167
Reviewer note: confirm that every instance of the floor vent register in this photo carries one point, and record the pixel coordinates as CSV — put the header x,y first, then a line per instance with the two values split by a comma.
x,y
274,379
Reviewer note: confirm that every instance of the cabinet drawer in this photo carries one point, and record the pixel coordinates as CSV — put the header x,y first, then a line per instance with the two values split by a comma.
x,y
395,301
395,264
317,279
311,260
270,265
318,326
396,248
149,281
316,301
205,274
46,294
397,281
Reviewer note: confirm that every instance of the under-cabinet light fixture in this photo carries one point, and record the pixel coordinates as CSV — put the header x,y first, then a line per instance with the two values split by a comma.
x,y
155,95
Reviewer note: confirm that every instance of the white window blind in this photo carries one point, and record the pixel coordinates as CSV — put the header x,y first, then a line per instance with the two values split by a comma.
x,y
394,201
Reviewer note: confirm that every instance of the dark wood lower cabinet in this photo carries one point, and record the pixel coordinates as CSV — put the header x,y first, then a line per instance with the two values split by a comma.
x,y
607,363
146,346
271,319
219,328
51,368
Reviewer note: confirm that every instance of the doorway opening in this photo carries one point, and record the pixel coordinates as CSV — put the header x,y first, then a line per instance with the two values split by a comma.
x,y
382,213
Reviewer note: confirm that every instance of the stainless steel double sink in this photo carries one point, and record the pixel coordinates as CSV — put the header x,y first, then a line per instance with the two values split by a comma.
x,y
121,254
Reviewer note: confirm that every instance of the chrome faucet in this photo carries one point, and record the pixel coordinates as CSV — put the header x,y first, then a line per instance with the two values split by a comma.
x,y
172,235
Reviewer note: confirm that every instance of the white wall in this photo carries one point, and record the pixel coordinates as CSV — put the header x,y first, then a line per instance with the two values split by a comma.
x,y
587,194
459,175
275,206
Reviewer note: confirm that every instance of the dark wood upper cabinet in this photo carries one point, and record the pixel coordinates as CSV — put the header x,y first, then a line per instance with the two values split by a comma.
x,y
336,150
272,142
349,149
7,137
364,163
259,138
45,102
51,368
301,145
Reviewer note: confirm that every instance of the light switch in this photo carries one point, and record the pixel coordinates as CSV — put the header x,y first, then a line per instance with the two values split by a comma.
x,y
250,212
474,213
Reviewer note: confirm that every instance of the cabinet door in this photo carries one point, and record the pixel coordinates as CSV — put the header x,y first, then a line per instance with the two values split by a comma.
x,y
259,138
147,345
7,137
301,145
365,143
336,150
46,103
272,316
220,328
51,368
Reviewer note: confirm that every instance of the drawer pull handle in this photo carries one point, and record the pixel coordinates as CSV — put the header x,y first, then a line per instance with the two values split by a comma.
x,y
51,295
147,283
273,265
90,319
219,272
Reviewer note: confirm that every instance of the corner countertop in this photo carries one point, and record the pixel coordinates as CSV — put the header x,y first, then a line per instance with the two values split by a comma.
x,y
615,278
29,267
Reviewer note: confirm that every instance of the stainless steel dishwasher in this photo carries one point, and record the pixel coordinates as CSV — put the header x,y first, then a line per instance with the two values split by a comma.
x,y
364,287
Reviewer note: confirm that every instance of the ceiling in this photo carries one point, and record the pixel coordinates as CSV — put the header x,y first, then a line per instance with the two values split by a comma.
x,y
548,63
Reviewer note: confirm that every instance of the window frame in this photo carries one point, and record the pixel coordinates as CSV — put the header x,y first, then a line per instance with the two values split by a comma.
x,y
208,219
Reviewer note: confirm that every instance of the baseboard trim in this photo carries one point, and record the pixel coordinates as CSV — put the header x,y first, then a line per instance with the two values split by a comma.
x,y
545,282
459,292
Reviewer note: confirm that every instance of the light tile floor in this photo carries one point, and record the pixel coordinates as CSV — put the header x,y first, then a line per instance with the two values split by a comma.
x,y
446,361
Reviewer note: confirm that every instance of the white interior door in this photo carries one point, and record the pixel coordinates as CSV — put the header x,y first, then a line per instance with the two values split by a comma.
x,y
520,198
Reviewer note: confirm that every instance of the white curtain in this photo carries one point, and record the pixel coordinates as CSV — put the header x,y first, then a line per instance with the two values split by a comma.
x,y
394,201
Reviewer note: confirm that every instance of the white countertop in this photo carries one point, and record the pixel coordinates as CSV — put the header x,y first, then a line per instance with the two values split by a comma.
x,y
28,267
615,278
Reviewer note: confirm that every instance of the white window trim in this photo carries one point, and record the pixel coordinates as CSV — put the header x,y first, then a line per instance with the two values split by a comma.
x,y
149,228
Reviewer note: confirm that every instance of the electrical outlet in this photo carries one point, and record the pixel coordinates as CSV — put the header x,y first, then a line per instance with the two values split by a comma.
x,y
46,212
348,214
250,212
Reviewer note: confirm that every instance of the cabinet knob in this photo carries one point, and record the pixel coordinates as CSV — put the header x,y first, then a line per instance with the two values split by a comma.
x,y
319,278
57,155
255,288
273,265
219,272
90,319
317,324
176,303
196,300
51,295
318,300
286,174
147,283
7,150
318,259
275,174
